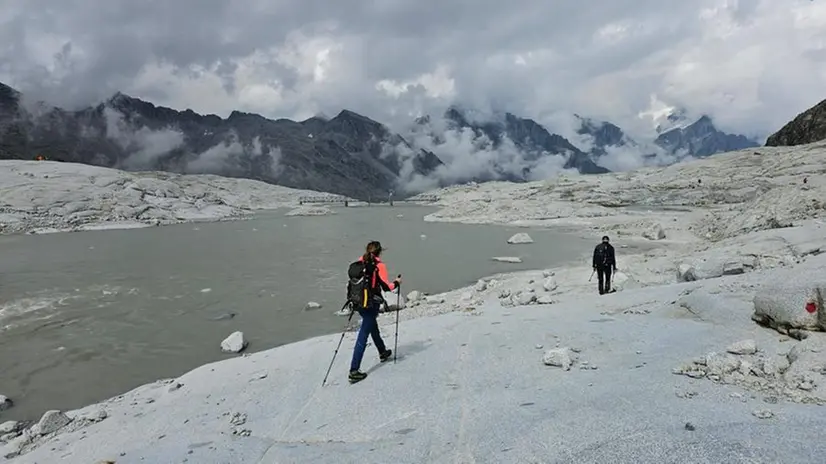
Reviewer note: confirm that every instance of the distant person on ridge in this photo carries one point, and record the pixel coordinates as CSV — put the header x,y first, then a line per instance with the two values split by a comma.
x,y
604,262
368,277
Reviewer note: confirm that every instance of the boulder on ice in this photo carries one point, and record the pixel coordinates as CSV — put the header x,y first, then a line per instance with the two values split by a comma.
x,y
394,300
655,232
560,357
748,346
711,267
5,403
235,343
520,238
791,305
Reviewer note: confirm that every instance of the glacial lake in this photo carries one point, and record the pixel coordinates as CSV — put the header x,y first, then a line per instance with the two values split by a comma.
x,y
89,315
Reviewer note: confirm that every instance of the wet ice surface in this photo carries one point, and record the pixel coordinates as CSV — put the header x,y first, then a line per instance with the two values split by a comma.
x,y
468,386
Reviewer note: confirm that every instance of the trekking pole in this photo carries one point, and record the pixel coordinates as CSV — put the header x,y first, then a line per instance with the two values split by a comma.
x,y
398,309
592,275
339,343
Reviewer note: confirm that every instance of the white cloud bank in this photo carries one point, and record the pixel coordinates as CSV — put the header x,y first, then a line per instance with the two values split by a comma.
x,y
751,64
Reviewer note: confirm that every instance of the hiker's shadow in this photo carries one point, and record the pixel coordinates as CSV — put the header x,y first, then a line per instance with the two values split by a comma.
x,y
404,351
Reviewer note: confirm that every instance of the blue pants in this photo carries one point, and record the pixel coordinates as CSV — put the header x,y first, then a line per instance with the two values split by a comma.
x,y
369,326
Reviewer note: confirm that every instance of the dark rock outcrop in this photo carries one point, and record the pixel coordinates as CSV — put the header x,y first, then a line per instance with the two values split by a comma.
x,y
603,135
808,127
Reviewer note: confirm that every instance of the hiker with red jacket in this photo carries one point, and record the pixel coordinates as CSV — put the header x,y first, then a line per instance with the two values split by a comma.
x,y
604,262
368,304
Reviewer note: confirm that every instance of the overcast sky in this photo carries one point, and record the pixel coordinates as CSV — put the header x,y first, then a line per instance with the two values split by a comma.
x,y
751,64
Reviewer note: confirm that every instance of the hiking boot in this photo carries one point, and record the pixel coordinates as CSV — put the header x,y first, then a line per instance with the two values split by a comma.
x,y
386,355
356,376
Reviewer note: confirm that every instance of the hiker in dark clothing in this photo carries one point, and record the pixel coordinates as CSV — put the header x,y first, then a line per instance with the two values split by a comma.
x,y
604,262
378,281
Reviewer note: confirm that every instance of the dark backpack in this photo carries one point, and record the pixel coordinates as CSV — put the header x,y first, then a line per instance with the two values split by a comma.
x,y
359,286
601,255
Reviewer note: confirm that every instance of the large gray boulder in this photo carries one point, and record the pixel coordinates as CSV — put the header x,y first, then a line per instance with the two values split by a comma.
x,y
713,266
791,305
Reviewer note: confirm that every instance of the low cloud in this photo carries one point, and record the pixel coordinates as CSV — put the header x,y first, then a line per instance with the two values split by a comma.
x,y
469,156
145,146
231,157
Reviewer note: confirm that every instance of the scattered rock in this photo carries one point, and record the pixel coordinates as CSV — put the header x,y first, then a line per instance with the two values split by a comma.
x,y
9,427
720,364
525,298
689,426
520,238
415,295
560,357
550,284
507,259
175,386
545,300
312,305
345,311
733,268
548,273
685,273
762,414
481,286
238,419
798,376
235,343
655,232
52,421
241,432
743,347
394,300
5,403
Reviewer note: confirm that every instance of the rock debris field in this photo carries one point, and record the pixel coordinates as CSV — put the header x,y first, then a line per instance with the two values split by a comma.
x,y
711,350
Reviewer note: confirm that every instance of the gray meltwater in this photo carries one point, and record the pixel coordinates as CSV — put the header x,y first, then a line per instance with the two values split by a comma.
x,y
86,316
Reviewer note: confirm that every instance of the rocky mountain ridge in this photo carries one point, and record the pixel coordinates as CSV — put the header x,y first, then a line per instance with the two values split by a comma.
x,y
348,154
808,127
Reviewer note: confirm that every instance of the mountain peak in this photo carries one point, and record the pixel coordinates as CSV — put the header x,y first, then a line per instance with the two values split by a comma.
x,y
701,138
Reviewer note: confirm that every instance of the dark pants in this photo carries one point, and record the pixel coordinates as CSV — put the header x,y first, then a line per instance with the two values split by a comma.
x,y
604,277
369,326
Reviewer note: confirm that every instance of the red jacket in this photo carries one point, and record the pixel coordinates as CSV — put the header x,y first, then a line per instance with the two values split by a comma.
x,y
382,275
